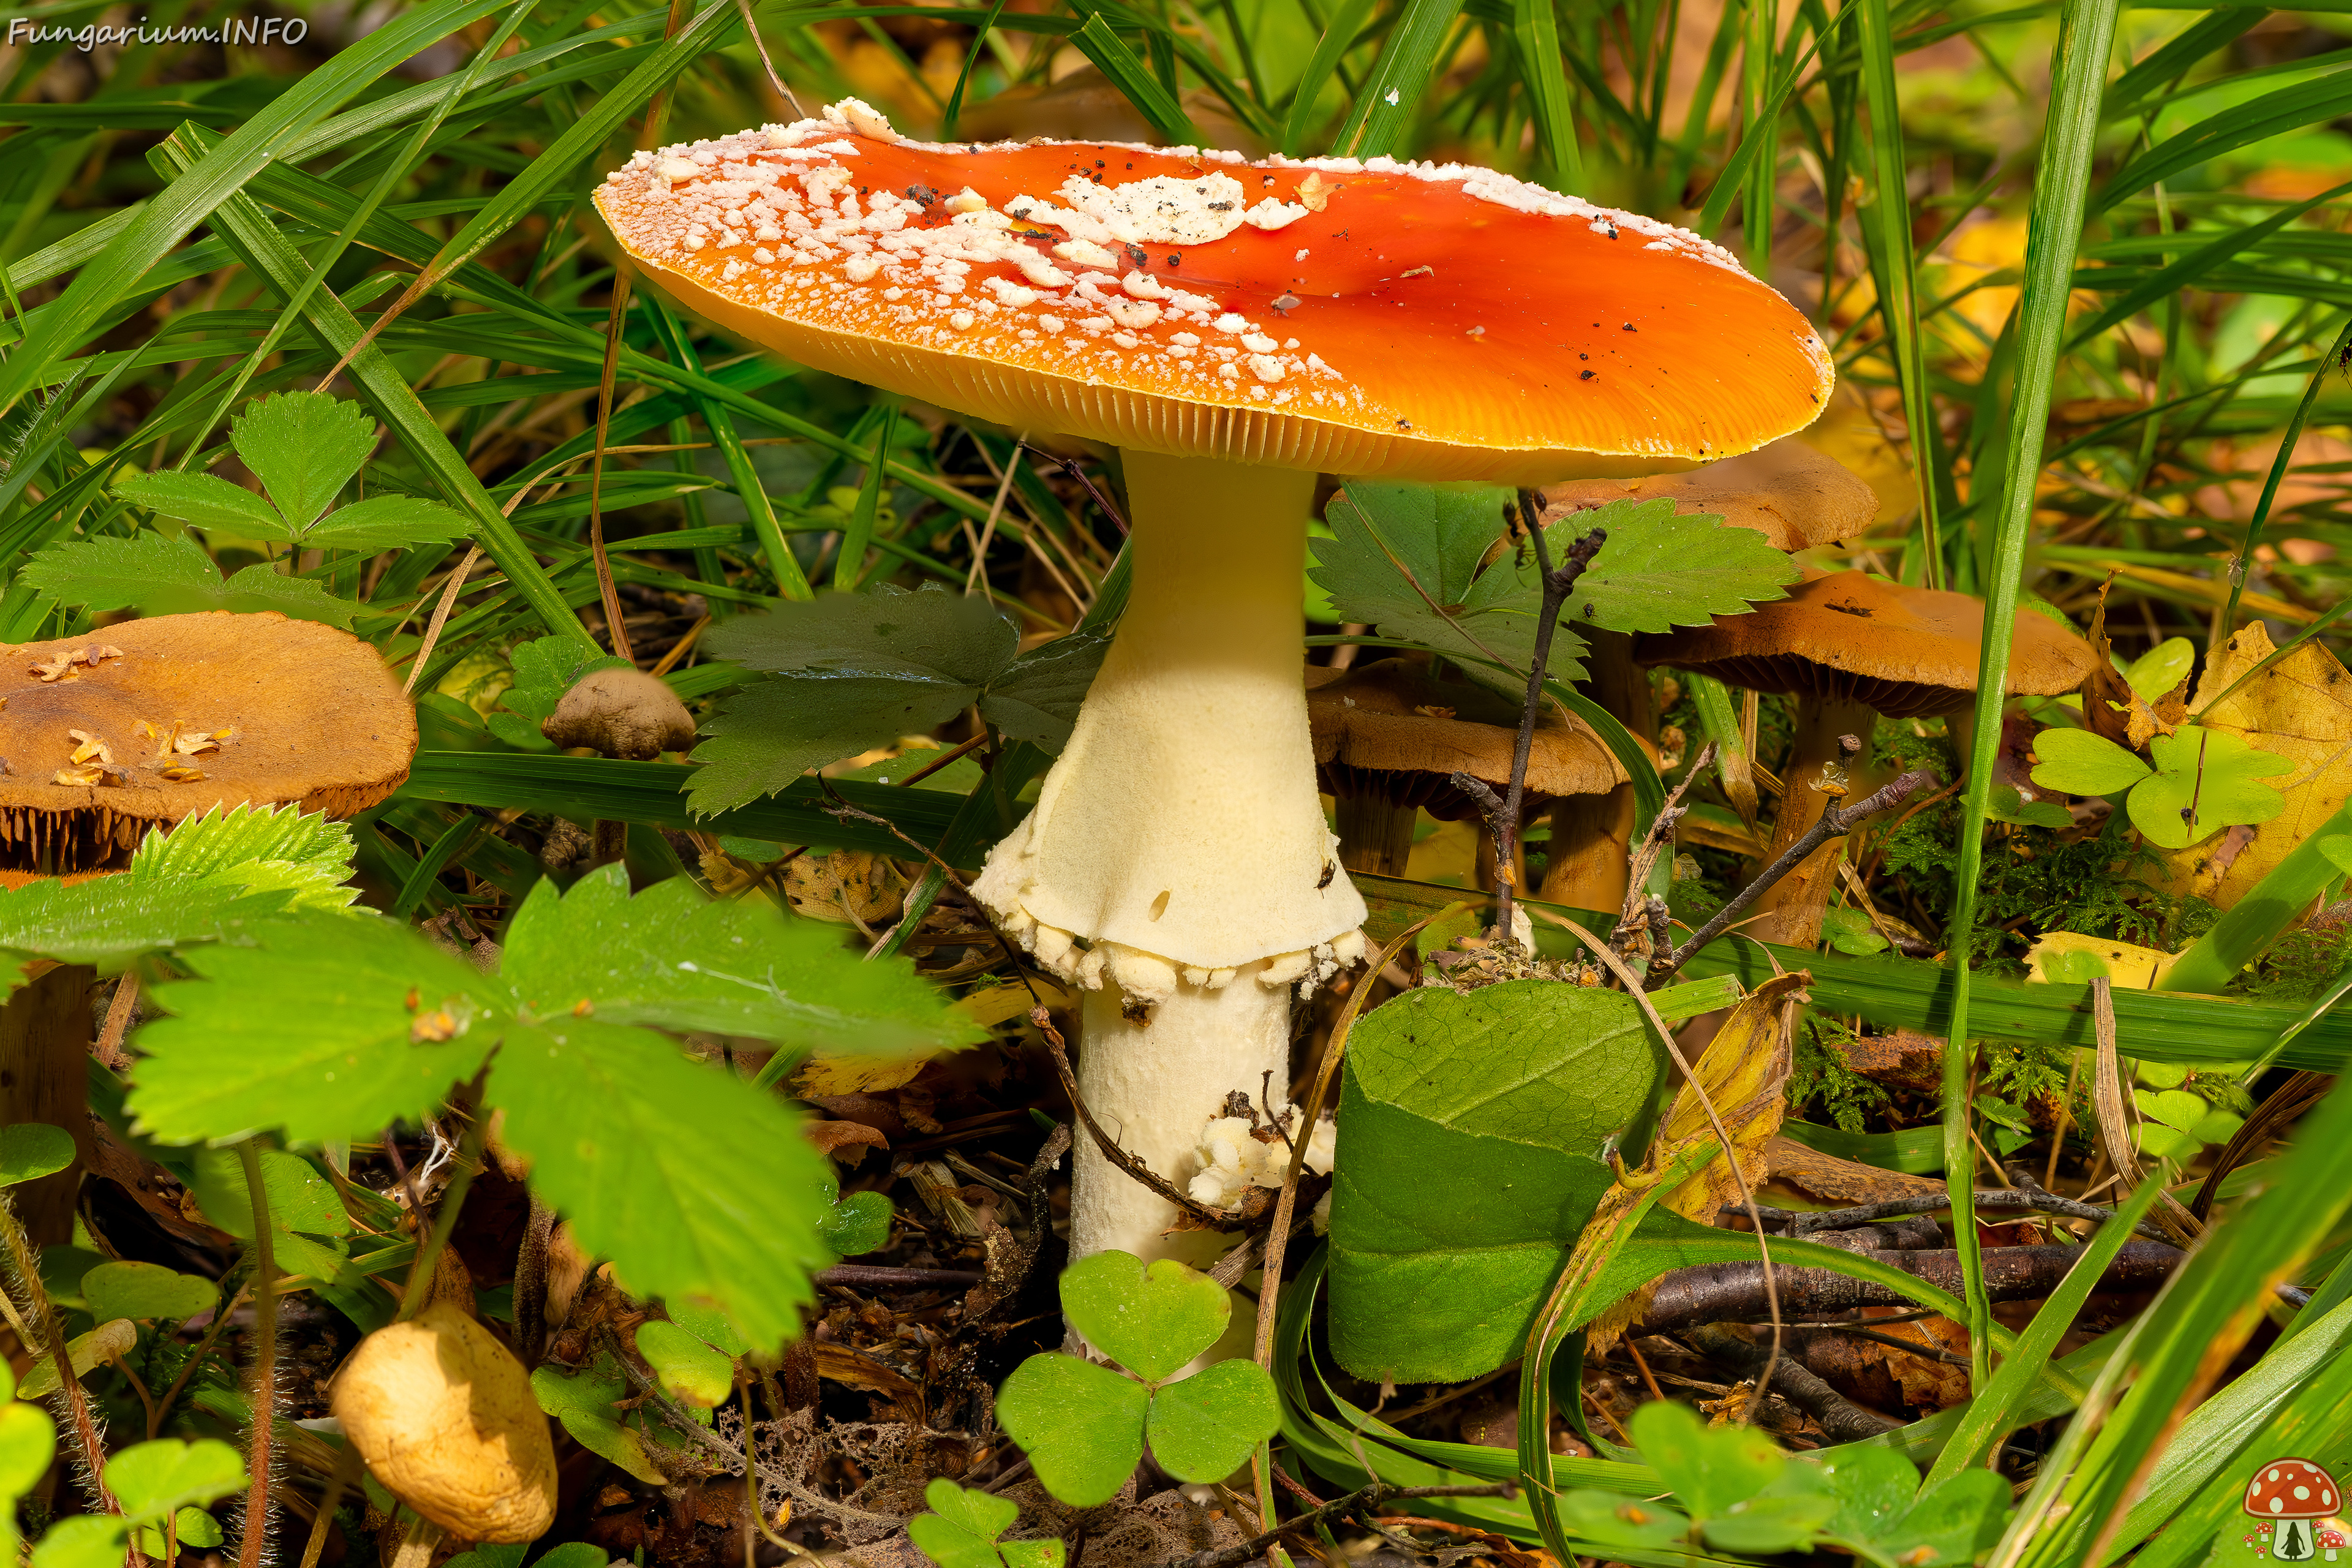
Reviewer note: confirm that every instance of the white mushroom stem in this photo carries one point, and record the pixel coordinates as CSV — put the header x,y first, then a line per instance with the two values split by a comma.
x,y
1177,867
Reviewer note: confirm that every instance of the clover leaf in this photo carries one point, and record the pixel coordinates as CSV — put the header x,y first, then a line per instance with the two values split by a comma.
x,y
1084,1426
962,1528
2205,781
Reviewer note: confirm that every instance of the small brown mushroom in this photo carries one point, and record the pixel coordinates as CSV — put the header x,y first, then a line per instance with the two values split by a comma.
x,y
1850,648
155,720
622,714
1388,739
1792,495
444,1415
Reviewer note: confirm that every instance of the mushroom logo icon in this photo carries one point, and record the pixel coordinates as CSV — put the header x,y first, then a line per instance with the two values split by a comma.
x,y
2297,1498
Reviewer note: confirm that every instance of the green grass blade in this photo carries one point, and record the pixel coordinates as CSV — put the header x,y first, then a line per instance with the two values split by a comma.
x,y
849,564
1391,97
1536,31
2229,245
1338,38
963,77
2060,186
791,581
2272,114
1994,1412
167,219
2247,928
1152,100
2287,444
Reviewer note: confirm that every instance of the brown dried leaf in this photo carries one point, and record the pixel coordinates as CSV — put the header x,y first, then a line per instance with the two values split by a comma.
x,y
58,668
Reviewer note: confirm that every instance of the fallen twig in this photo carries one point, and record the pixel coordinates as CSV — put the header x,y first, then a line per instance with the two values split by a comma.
x,y
1836,820
1362,1499
1841,1418
1716,1292
1798,1222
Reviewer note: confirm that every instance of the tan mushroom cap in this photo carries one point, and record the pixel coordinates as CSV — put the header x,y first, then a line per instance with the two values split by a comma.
x,y
1797,498
317,722
1388,729
1905,653
1412,320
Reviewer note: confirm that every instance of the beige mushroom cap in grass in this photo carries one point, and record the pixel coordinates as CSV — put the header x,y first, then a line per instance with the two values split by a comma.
x,y
265,710
623,713
1234,328
445,1417
1795,497
1905,653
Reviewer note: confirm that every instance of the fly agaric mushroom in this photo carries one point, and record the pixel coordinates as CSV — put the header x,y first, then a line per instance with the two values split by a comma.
x,y
445,1417
1850,648
1388,741
1797,498
2292,1493
107,736
1233,328
2332,1538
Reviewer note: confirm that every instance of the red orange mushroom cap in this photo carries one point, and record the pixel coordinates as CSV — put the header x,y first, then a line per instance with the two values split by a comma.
x,y
2291,1489
1422,321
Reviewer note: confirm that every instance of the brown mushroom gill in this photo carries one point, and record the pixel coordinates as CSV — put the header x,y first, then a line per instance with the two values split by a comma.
x,y
1850,648
177,715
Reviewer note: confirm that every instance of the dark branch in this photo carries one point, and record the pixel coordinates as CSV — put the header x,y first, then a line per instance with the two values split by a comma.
x,y
1806,1223
1842,1419
1557,586
1716,1292
1835,821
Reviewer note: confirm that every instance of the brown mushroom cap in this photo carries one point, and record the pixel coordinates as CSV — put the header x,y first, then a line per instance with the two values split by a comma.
x,y
1388,729
317,722
1422,321
1906,653
1795,497
621,713
445,1416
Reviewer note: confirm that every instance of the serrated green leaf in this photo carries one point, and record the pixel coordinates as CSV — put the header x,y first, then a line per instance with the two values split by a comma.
x,y
544,670
2076,762
583,1402
321,1026
31,1150
1036,699
1081,1424
116,573
148,1290
387,522
690,1370
766,735
1204,1427
207,501
1151,1321
1661,569
697,1186
930,636
269,848
263,587
672,957
2205,781
1510,1091
152,1479
109,918
304,447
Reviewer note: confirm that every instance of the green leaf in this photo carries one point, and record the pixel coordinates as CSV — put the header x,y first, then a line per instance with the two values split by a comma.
x,y
1659,569
1509,1092
1873,1488
31,1150
697,1186
983,1516
583,1402
961,1531
83,1540
301,1201
766,735
690,1369
28,1442
2176,1108
304,447
206,500
1204,1427
1150,1320
674,958
1042,1553
707,1324
191,1527
576,1554
499,1555
1081,1424
857,1223
261,587
2076,762
277,846
1850,930
2205,780
1036,699
1784,1517
327,1026
149,1290
1612,1518
2008,804
2161,668
1952,1523
152,1479
116,573
1708,1470
387,522
115,1337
